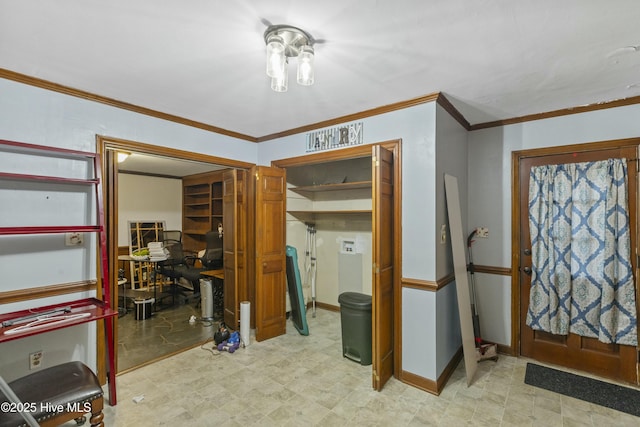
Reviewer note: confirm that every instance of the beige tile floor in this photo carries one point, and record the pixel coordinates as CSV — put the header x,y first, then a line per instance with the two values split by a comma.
x,y
294,380
166,331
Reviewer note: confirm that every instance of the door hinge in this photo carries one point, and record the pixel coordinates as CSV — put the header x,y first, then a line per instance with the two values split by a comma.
x,y
376,268
376,377
375,161
257,176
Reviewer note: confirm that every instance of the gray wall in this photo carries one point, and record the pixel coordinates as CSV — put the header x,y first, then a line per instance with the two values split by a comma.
x,y
490,193
37,116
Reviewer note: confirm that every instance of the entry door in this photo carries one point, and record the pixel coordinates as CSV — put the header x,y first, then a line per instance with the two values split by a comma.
x,y
573,351
270,274
382,298
234,208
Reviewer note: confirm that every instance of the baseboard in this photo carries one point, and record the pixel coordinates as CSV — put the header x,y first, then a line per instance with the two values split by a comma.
x,y
324,306
431,386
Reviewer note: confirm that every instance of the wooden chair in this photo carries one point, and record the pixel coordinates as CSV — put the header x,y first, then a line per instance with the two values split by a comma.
x,y
56,395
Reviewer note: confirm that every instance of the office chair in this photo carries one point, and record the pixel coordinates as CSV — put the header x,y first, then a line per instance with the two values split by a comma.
x,y
171,236
180,266
212,257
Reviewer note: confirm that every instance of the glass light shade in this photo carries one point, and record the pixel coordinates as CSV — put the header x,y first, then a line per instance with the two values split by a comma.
x,y
280,83
305,66
276,57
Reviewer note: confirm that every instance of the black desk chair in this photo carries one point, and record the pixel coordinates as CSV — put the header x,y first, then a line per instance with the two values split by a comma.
x,y
213,254
180,266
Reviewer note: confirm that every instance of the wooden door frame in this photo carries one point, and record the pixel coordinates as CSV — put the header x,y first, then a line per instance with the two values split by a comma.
x,y
395,146
110,197
516,156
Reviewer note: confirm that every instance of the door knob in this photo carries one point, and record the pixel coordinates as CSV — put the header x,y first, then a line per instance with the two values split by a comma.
x,y
527,251
527,270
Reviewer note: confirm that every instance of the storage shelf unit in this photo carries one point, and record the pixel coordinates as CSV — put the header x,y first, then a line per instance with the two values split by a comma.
x,y
24,323
202,208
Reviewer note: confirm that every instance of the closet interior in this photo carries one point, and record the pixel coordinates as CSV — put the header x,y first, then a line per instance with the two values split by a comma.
x,y
329,218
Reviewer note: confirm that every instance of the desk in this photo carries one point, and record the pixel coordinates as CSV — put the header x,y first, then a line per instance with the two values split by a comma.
x,y
150,282
217,274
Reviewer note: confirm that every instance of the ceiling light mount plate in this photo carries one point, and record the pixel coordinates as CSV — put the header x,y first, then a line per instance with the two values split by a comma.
x,y
294,38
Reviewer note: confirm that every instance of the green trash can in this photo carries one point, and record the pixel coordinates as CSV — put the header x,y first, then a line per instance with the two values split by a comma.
x,y
355,317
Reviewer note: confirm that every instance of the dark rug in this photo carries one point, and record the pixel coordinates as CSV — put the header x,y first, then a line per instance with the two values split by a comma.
x,y
623,399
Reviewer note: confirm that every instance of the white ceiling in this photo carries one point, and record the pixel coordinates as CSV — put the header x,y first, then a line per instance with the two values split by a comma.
x,y
204,59
163,166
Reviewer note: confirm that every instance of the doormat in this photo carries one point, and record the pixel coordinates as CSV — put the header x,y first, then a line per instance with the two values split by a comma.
x,y
623,399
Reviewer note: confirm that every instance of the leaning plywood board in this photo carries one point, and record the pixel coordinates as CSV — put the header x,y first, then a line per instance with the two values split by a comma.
x,y
462,280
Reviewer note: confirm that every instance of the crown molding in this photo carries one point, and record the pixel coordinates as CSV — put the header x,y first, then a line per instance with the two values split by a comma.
x,y
353,117
558,113
55,87
438,97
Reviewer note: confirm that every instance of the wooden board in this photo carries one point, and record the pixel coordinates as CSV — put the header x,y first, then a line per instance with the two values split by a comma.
x,y
462,279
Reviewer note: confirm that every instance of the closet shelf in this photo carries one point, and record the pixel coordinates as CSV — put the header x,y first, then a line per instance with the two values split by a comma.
x,y
333,212
332,187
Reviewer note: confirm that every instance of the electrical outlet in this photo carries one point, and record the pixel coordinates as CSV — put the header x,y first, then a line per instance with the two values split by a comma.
x,y
73,239
482,232
35,360
443,233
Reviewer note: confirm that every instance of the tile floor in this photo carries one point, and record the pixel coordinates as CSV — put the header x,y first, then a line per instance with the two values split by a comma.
x,y
294,380
166,331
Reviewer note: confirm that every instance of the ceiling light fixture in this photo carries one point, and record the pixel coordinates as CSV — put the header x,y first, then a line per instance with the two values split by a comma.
x,y
284,42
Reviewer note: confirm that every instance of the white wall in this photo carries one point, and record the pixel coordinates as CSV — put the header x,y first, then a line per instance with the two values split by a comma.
x,y
416,127
422,202
490,193
451,158
37,116
148,198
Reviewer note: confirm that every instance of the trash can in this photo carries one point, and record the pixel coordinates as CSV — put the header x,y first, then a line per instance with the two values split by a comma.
x,y
355,317
144,307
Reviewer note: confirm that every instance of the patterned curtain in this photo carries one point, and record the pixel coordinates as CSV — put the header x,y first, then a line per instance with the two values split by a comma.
x,y
582,280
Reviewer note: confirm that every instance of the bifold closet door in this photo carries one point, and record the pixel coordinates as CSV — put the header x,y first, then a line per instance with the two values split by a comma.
x,y
270,274
382,298
229,245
